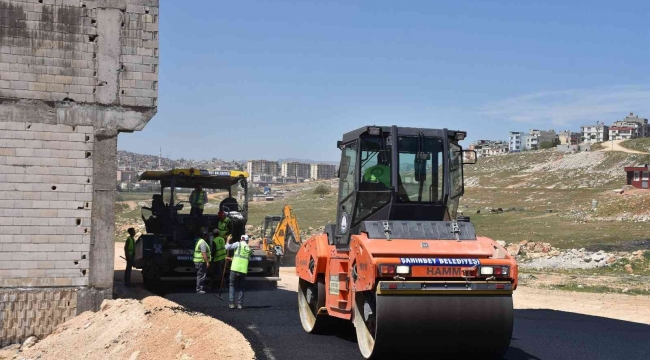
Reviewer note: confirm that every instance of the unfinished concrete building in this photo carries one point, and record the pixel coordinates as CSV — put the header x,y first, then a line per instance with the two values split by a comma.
x,y
323,171
262,167
73,74
295,169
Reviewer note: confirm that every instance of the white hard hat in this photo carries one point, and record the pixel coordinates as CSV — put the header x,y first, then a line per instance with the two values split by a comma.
x,y
215,231
244,237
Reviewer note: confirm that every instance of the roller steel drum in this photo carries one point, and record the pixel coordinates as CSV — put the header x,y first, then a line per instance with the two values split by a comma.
x,y
427,326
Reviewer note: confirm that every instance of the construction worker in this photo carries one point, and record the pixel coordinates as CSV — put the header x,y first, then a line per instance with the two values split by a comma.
x,y
218,256
238,270
198,199
129,255
380,172
201,261
224,225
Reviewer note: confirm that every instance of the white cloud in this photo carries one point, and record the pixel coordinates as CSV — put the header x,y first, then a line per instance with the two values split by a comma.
x,y
572,107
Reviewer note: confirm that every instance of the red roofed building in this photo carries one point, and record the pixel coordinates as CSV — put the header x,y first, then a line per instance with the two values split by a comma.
x,y
623,133
637,176
629,128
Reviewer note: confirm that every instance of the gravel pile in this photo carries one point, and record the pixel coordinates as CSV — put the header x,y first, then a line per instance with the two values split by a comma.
x,y
571,259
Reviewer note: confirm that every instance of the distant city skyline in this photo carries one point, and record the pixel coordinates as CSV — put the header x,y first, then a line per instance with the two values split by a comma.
x,y
165,160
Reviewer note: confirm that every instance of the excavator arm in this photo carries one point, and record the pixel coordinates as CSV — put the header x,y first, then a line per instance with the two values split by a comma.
x,y
287,233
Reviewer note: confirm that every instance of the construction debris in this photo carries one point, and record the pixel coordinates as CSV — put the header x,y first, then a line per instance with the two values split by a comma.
x,y
539,255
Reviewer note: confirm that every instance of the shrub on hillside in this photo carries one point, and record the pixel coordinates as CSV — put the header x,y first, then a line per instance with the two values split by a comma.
x,y
322,190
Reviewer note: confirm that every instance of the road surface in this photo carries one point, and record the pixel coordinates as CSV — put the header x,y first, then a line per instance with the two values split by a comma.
x,y
616,144
270,323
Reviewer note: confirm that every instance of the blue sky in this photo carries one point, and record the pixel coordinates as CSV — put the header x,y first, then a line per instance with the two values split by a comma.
x,y
277,79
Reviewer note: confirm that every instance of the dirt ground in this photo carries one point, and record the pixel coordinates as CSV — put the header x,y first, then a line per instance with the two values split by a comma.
x,y
139,326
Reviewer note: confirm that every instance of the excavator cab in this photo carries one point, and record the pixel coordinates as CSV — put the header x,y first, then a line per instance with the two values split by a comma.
x,y
394,173
268,227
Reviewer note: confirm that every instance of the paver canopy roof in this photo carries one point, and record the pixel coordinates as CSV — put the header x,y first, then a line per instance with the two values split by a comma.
x,y
189,178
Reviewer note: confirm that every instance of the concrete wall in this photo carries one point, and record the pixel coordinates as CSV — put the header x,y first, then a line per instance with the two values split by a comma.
x,y
73,74
573,148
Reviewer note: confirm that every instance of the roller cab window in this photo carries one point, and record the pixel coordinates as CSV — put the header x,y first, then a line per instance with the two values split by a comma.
x,y
347,185
421,175
375,175
456,179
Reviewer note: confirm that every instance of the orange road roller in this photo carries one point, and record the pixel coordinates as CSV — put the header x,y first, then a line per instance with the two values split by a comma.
x,y
400,263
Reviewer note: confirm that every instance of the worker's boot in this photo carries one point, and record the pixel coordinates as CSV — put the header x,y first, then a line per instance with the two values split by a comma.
x,y
231,305
239,306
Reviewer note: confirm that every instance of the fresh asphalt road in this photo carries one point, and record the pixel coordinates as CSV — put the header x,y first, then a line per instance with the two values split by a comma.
x,y
270,323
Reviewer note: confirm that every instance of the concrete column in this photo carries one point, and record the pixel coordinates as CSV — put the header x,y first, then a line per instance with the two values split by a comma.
x,y
109,51
102,248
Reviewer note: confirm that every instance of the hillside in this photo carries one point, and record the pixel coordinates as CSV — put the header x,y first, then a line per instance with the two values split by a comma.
x,y
642,144
143,162
547,196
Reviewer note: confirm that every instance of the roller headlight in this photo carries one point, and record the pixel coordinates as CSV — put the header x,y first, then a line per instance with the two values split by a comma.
x,y
402,269
487,270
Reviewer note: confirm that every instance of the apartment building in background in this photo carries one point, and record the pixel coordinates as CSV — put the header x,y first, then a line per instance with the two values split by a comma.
x,y
322,171
623,133
631,127
295,170
262,167
568,137
485,148
594,133
517,141
537,137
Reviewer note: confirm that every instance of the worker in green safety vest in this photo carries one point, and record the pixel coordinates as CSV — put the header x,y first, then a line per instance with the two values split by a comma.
x,y
129,255
224,224
218,249
198,199
379,173
201,261
238,270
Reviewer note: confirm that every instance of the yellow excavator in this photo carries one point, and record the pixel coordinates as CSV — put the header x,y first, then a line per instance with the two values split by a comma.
x,y
282,231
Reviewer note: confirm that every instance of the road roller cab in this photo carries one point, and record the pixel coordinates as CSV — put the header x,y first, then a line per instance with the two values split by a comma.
x,y
399,263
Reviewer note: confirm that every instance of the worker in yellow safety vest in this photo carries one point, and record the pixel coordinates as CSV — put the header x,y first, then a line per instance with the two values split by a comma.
x,y
224,225
198,199
129,255
201,261
238,270
218,256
